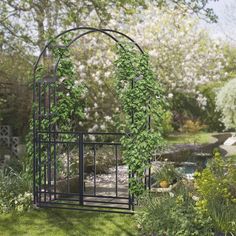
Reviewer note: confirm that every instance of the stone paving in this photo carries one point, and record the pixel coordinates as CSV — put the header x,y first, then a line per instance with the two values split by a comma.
x,y
230,150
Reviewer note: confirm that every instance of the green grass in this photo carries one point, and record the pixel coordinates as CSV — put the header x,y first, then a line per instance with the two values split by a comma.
x,y
189,138
52,222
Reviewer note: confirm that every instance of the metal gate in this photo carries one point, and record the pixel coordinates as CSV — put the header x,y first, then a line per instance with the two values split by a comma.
x,y
67,166
85,187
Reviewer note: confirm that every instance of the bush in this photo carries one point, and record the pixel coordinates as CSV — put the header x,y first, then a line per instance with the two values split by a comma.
x,y
185,107
15,191
217,191
209,115
167,173
172,216
188,114
167,123
226,103
191,126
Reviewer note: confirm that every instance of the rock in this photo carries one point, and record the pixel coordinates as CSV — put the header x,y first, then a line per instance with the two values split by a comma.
x,y
230,141
228,150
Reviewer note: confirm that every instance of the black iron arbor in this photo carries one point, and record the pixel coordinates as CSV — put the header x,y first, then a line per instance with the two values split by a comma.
x,y
77,189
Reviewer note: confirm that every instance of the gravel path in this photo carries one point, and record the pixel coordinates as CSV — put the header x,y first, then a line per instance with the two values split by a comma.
x,y
110,177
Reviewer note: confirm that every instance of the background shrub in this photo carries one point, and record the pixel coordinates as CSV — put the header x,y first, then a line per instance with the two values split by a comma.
x,y
216,188
172,215
15,189
226,104
191,126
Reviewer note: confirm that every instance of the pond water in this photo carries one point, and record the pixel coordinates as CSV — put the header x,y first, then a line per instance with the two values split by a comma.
x,y
187,171
197,161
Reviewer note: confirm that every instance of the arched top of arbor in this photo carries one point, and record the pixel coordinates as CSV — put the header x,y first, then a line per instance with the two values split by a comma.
x,y
57,112
107,32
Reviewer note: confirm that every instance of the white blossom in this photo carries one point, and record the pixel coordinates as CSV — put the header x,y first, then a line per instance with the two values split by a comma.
x,y
107,118
81,68
103,126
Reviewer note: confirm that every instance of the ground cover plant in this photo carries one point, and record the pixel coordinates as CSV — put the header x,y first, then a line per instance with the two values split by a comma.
x,y
217,191
172,215
204,206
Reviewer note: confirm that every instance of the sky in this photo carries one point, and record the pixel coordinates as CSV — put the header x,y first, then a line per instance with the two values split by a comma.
x,y
226,27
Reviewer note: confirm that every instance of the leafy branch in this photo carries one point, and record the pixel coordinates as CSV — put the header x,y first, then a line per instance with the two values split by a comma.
x,y
141,97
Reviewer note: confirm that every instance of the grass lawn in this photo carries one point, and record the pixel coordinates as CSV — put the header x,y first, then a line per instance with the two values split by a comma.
x,y
64,222
190,138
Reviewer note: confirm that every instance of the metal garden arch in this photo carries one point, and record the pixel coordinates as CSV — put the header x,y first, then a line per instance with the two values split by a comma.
x,y
51,192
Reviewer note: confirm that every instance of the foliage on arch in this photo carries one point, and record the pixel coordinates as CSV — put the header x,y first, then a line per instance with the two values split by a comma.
x,y
141,97
144,105
69,105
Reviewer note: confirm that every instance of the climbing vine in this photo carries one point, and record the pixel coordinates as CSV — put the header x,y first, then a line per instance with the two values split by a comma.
x,y
141,97
67,108
143,102
70,106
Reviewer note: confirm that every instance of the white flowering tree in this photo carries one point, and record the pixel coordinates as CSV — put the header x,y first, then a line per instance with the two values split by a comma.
x,y
226,103
94,58
183,56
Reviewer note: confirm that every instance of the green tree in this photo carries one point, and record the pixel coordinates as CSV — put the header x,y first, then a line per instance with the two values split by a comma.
x,y
15,91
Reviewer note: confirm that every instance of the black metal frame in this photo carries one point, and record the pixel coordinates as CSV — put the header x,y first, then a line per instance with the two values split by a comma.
x,y
46,143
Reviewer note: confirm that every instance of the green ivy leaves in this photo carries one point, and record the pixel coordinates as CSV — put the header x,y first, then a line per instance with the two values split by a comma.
x,y
142,97
69,108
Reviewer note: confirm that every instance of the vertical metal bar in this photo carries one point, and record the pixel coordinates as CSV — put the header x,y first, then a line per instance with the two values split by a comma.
x,y
149,175
45,181
40,148
49,167
129,185
132,111
94,170
54,137
44,99
55,166
35,167
149,170
39,129
50,139
145,179
116,155
132,197
68,168
81,169
49,101
40,166
149,122
34,141
39,108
